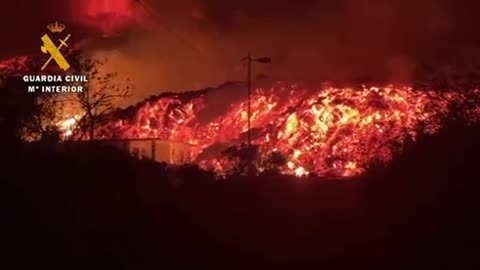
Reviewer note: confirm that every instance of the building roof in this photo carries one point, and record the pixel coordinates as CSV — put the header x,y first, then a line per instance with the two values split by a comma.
x,y
143,139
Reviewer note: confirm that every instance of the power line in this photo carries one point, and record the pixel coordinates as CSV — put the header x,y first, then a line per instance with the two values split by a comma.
x,y
168,29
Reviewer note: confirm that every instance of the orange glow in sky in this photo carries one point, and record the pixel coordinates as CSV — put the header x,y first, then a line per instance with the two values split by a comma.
x,y
106,15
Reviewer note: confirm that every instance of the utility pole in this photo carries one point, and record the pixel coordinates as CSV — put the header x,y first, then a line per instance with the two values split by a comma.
x,y
249,110
249,60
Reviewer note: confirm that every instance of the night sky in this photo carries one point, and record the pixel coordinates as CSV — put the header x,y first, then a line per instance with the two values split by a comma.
x,y
203,41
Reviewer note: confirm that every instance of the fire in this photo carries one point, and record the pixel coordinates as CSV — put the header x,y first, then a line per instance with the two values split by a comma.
x,y
300,171
327,131
68,125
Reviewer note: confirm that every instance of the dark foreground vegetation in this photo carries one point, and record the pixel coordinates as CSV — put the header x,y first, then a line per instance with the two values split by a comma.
x,y
99,209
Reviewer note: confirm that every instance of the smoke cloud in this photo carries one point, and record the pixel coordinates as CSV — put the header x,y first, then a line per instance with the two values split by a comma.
x,y
191,44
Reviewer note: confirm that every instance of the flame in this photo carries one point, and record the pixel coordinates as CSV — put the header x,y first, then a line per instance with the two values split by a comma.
x,y
300,171
68,125
327,131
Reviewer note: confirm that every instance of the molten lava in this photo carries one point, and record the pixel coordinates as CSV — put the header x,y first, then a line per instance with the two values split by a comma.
x,y
15,66
327,131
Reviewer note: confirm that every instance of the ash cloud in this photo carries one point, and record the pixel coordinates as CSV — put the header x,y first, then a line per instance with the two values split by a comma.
x,y
309,40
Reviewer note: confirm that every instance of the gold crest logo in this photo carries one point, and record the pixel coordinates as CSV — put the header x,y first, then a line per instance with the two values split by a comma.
x,y
49,47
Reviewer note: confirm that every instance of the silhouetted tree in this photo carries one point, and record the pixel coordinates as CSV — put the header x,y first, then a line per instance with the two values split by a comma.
x,y
274,162
42,122
244,158
23,115
98,100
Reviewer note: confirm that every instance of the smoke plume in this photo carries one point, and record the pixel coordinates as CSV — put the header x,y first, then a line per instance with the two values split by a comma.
x,y
190,44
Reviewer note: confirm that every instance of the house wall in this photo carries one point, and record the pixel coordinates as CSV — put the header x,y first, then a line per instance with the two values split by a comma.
x,y
141,149
158,150
179,153
161,151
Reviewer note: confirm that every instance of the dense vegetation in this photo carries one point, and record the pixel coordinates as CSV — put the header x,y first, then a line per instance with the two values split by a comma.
x,y
97,208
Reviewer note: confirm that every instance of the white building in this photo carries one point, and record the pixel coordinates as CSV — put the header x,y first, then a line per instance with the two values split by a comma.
x,y
155,149
160,150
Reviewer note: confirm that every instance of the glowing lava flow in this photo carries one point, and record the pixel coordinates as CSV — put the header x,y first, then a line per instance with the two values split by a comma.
x,y
15,66
329,131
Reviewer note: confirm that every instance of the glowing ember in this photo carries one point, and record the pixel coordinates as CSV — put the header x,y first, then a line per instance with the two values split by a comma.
x,y
67,126
329,131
